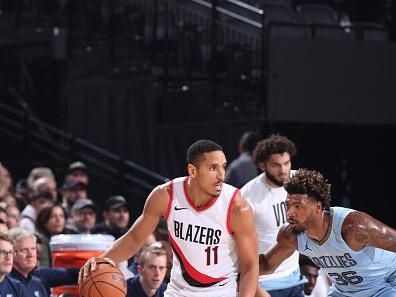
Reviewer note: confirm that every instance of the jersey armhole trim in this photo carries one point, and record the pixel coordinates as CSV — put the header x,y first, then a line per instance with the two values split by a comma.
x,y
232,201
170,191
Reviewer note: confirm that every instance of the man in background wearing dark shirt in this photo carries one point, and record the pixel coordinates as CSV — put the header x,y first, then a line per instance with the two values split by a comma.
x,y
36,280
152,269
116,217
243,169
8,286
83,217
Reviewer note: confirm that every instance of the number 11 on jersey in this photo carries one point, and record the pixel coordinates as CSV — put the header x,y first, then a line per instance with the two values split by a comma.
x,y
211,251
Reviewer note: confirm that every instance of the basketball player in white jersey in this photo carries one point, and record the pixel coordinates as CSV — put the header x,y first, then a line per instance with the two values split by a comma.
x,y
355,250
211,230
266,195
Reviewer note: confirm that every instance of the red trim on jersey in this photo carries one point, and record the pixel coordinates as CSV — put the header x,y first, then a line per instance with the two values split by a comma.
x,y
189,200
170,191
190,270
232,201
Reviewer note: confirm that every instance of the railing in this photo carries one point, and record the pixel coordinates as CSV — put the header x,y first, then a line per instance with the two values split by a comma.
x,y
217,43
124,176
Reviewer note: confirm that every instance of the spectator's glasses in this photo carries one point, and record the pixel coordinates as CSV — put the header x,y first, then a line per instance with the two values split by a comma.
x,y
4,253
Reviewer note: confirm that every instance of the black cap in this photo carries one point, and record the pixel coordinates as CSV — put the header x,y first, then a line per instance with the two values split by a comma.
x,y
115,202
77,165
71,183
83,203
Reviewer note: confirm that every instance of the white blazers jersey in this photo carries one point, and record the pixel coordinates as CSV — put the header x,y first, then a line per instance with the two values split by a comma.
x,y
205,261
269,209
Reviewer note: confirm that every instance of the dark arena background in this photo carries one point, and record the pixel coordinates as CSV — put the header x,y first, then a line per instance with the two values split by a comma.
x,y
126,85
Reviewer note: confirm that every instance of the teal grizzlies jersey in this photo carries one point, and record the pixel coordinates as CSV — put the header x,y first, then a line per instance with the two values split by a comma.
x,y
368,272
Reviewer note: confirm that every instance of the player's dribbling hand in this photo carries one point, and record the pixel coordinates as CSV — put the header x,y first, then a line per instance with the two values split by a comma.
x,y
91,265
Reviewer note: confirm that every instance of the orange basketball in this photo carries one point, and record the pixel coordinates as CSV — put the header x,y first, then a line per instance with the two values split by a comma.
x,y
105,281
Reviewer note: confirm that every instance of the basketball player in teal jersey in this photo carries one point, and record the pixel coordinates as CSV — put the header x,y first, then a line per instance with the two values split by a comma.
x,y
355,250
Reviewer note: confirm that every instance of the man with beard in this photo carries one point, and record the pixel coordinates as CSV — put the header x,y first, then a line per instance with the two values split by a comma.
x,y
266,195
211,230
355,250
115,217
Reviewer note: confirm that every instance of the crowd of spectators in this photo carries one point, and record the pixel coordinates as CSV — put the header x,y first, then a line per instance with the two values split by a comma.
x,y
35,209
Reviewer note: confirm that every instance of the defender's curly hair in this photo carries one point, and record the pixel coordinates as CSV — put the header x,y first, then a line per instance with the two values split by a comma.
x,y
274,144
312,183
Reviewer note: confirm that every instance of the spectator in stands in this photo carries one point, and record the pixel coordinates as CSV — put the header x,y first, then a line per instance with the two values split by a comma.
x,y
3,214
6,188
243,169
152,269
22,193
317,285
3,227
83,217
6,183
161,234
167,246
38,201
116,217
3,186
13,216
50,221
37,280
72,190
46,184
38,172
8,199
8,286
78,171
133,266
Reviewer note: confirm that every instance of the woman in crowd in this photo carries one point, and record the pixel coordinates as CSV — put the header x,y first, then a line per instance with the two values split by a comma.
x,y
50,221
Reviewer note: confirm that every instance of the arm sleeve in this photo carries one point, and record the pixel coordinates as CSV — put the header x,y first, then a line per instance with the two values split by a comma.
x,y
57,276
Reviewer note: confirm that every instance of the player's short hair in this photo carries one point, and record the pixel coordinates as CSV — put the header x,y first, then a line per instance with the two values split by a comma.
x,y
274,144
311,183
196,151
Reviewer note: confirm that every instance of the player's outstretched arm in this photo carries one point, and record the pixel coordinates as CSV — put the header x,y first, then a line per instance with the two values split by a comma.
x,y
284,248
360,229
244,230
128,244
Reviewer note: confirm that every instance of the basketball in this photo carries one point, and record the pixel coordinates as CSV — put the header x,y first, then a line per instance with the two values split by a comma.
x,y
105,281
